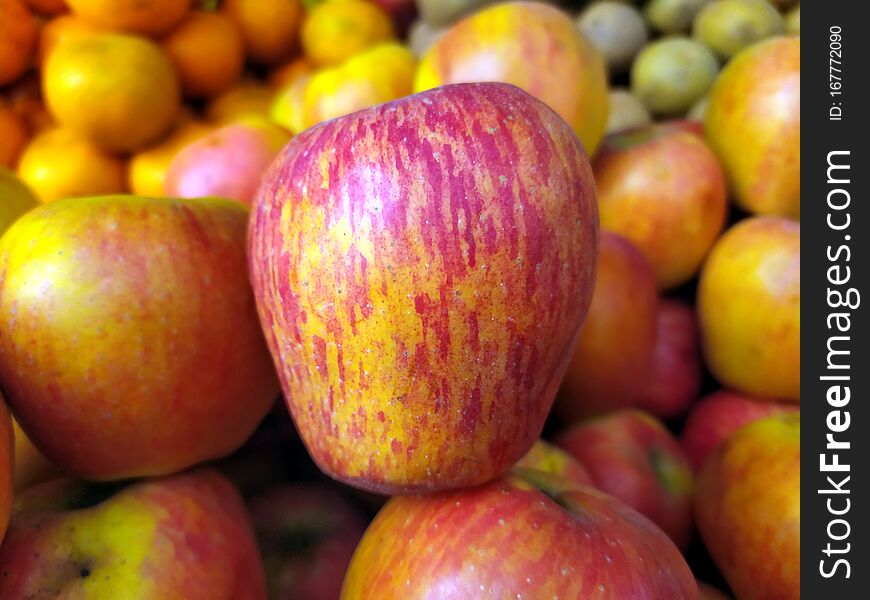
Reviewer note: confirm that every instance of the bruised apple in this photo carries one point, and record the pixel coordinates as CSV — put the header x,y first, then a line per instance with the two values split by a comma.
x,y
422,269
534,46
527,536
612,361
184,537
129,343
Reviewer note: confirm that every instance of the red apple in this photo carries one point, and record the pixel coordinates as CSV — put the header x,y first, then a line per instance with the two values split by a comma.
x,y
613,359
307,535
227,162
748,509
753,122
184,537
631,455
422,269
675,378
129,342
662,188
549,458
540,537
532,45
717,416
749,300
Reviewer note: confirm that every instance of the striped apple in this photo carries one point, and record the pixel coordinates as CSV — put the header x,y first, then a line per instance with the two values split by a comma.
x,y
421,270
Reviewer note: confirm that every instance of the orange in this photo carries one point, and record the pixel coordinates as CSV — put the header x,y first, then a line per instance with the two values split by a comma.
x,y
147,17
284,75
48,7
61,29
18,35
208,53
120,91
335,31
270,28
248,98
59,163
147,169
13,134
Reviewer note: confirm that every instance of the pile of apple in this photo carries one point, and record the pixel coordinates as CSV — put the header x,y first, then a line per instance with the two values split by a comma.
x,y
436,235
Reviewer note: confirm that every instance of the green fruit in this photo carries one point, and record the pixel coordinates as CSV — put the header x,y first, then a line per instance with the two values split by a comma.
x,y
422,35
616,29
673,73
626,111
673,16
445,12
699,109
793,21
728,26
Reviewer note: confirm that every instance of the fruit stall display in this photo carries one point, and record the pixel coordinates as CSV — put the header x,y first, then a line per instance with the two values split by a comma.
x,y
385,299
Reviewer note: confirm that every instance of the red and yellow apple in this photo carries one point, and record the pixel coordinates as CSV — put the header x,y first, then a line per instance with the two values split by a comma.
x,y
662,188
613,359
227,162
749,300
675,376
184,537
534,536
422,269
307,535
534,46
753,123
551,459
717,416
634,457
748,509
129,342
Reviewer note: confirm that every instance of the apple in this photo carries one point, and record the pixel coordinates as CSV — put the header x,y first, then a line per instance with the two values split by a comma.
x,y
227,162
662,188
708,592
444,12
748,508
632,455
535,536
612,361
753,123
551,459
30,465
675,378
6,465
183,537
15,198
307,534
534,46
749,300
717,416
422,269
129,342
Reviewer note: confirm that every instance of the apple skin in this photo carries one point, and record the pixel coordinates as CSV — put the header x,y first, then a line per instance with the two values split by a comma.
x,y
613,359
675,378
534,46
551,459
307,534
183,537
662,188
749,300
129,343
717,416
7,450
227,162
632,455
422,269
748,509
539,537
753,123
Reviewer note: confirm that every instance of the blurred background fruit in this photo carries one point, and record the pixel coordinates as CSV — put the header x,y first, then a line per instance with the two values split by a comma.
x,y
728,26
673,16
671,74
269,28
617,29
153,18
18,37
625,111
335,30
